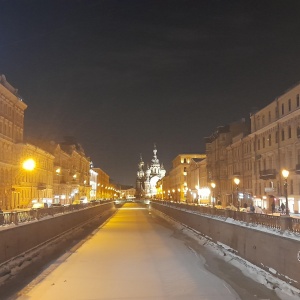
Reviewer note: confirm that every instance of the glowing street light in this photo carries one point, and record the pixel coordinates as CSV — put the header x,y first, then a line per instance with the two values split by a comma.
x,y
237,182
285,175
28,164
213,185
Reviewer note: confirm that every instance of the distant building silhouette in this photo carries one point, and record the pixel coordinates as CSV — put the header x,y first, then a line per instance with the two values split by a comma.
x,y
146,180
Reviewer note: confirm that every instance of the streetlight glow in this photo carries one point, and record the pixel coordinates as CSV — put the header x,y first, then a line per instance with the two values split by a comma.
x,y
28,164
236,181
285,174
213,185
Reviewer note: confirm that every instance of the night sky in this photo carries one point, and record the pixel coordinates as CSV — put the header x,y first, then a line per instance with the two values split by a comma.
x,y
123,75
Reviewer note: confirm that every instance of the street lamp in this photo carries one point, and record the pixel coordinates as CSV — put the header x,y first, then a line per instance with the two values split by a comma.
x,y
237,182
285,175
213,185
57,171
29,165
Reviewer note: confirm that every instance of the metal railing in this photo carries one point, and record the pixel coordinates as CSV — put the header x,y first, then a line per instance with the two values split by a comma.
x,y
28,215
265,220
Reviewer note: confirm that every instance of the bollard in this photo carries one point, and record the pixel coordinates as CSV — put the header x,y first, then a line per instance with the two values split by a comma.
x,y
227,213
51,211
213,211
248,218
15,218
285,223
37,214
1,218
34,214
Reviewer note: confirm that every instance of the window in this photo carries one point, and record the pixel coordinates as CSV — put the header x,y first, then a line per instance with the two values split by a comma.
x,y
270,162
269,117
263,120
270,140
290,105
290,132
297,100
282,134
276,137
263,142
282,108
258,144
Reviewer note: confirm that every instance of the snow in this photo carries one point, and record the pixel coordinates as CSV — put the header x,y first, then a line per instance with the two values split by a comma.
x,y
98,270
283,290
130,257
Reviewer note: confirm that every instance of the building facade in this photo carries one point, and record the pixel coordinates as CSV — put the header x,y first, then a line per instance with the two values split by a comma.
x,y
12,110
178,178
147,180
219,169
275,133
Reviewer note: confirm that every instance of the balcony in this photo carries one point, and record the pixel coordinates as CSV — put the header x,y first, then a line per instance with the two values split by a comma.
x,y
236,174
267,174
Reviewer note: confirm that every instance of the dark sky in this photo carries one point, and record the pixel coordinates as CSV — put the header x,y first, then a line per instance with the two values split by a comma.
x,y
123,75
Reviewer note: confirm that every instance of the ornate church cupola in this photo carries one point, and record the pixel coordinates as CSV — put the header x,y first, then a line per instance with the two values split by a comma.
x,y
146,180
140,179
140,172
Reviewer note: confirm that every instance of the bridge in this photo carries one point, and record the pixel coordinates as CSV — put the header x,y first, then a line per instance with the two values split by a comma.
x,y
133,252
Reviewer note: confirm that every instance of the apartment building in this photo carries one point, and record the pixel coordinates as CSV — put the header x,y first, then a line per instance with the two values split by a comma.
x,y
12,110
275,134
224,165
102,184
198,188
178,186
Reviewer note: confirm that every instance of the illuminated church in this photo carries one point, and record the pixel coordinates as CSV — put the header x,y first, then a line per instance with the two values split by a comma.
x,y
146,180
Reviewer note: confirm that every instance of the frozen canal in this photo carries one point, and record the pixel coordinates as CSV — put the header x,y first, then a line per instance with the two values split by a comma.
x,y
135,255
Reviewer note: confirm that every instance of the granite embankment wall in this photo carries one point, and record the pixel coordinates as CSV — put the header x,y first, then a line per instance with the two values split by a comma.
x,y
265,250
19,239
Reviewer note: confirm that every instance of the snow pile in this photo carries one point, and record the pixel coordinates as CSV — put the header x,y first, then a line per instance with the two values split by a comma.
x,y
283,290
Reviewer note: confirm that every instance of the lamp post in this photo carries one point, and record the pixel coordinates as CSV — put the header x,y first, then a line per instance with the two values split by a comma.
x,y
285,175
29,165
213,185
237,182
57,171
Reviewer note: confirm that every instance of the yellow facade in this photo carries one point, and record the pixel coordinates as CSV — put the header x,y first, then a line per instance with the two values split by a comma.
x,y
275,133
12,110
177,181
104,190
32,186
